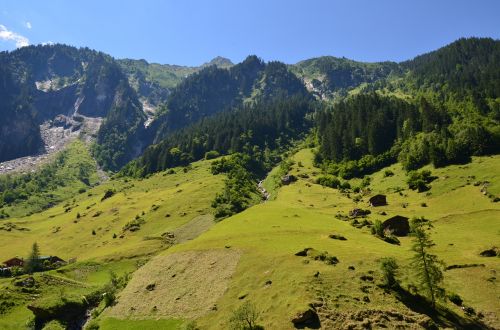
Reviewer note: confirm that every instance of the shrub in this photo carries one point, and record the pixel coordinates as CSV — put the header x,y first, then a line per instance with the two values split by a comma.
x,y
388,173
345,185
419,180
389,269
328,181
134,225
53,325
92,325
109,298
455,298
109,193
377,229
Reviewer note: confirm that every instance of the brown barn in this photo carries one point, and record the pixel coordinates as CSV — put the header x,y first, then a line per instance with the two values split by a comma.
x,y
378,200
398,224
13,262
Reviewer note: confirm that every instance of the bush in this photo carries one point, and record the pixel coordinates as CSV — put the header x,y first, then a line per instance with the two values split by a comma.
x,y
389,269
109,193
328,181
377,229
134,225
419,180
109,298
53,325
388,173
455,298
92,325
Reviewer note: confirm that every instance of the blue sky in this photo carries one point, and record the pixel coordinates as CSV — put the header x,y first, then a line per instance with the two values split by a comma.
x,y
189,32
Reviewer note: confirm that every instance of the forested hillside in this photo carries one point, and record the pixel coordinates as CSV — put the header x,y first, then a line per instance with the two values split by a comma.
x,y
449,114
215,89
256,129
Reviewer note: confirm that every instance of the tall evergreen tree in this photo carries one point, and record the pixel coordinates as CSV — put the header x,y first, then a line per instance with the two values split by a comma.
x,y
426,265
33,262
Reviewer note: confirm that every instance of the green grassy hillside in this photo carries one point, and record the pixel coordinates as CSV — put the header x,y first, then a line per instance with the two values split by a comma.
x,y
264,239
71,171
117,234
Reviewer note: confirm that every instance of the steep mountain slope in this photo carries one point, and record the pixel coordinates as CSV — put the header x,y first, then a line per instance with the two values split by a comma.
x,y
264,126
47,81
449,113
154,82
466,65
19,133
214,90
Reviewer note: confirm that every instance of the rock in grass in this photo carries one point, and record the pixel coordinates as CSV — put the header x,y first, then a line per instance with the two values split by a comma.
x,y
303,253
493,252
305,318
336,236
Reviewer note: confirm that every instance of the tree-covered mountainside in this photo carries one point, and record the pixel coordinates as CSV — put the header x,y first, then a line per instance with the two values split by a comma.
x,y
256,129
214,90
450,112
452,94
466,67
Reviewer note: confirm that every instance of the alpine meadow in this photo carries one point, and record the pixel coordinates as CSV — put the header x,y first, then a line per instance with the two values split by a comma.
x,y
326,193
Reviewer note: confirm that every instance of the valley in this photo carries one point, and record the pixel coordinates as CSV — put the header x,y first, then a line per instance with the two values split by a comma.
x,y
326,194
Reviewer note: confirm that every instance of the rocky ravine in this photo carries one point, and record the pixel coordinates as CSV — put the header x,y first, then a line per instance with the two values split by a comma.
x,y
56,134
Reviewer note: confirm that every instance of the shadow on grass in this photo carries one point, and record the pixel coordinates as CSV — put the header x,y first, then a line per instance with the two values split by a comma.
x,y
441,316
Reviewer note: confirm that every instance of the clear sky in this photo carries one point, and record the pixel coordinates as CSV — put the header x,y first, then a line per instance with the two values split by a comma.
x,y
191,32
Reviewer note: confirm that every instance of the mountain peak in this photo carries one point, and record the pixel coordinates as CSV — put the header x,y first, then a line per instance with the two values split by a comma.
x,y
220,62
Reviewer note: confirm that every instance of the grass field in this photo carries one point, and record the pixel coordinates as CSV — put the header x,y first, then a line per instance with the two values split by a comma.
x,y
261,243
303,215
91,230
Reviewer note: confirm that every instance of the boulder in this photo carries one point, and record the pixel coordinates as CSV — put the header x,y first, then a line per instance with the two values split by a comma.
x,y
305,318
493,252
338,237
287,179
303,253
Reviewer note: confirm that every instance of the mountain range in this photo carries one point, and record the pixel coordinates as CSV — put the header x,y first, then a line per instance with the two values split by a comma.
x,y
329,193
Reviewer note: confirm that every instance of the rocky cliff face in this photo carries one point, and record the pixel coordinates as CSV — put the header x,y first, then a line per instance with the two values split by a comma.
x,y
40,83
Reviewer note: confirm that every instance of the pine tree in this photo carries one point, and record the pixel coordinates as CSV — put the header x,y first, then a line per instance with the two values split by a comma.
x,y
427,266
33,261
